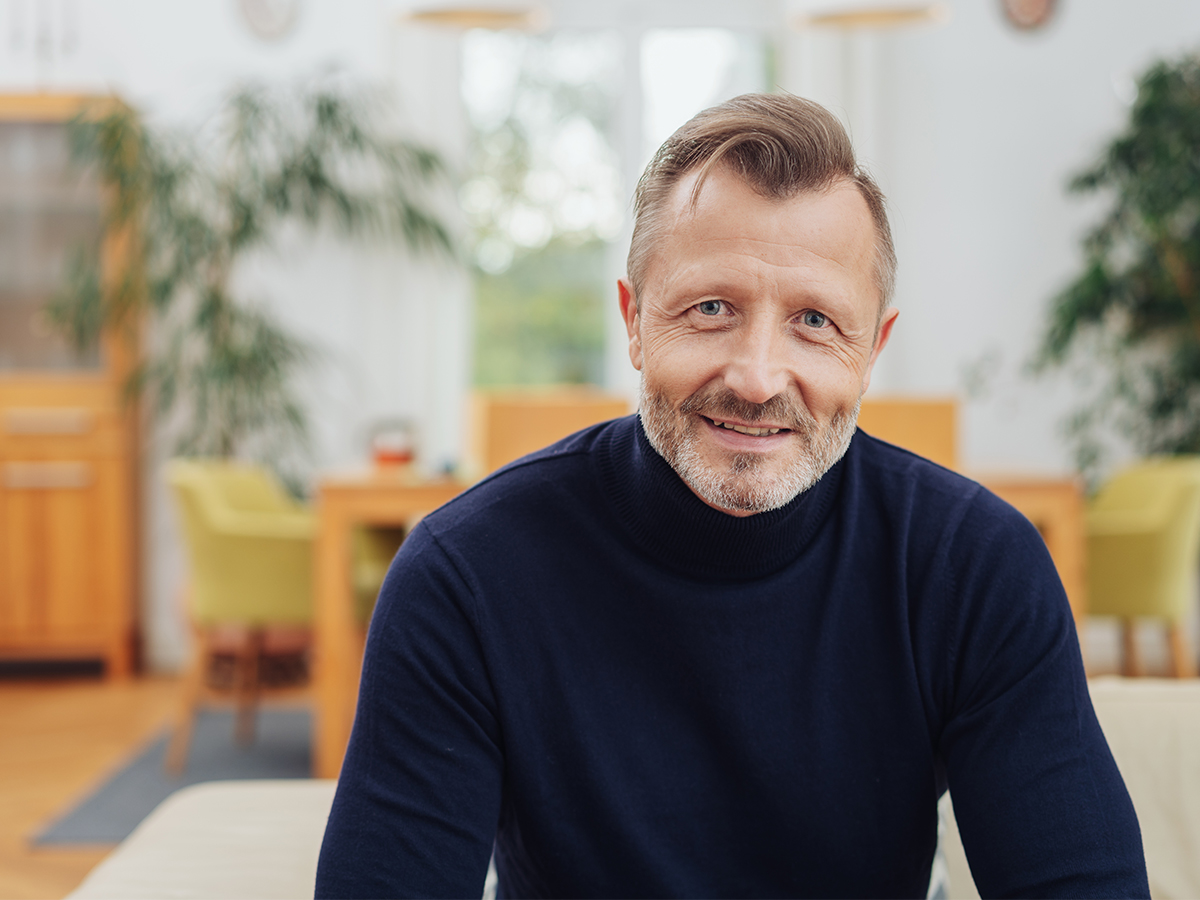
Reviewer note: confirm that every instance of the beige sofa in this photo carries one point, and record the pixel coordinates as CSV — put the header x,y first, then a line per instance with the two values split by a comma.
x,y
1153,728
261,838
221,839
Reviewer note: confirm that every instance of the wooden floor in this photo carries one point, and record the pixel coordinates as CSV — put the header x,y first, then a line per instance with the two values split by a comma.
x,y
57,740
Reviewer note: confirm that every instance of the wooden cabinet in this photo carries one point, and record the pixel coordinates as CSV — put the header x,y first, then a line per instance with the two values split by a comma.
x,y
67,437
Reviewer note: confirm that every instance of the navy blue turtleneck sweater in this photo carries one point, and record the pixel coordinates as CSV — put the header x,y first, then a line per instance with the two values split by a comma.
x,y
633,694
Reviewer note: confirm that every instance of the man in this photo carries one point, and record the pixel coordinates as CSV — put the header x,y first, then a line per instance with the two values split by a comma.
x,y
731,647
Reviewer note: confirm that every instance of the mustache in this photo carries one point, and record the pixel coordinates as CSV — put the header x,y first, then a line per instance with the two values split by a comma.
x,y
719,402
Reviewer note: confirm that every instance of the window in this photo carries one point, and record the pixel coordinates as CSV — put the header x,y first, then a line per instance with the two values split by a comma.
x,y
548,192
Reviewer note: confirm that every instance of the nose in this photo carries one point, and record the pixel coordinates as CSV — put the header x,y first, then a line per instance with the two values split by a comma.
x,y
757,369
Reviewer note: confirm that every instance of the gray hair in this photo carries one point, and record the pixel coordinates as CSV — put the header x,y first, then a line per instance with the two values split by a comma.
x,y
781,145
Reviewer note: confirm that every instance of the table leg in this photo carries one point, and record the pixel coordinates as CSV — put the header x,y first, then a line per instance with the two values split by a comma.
x,y
336,642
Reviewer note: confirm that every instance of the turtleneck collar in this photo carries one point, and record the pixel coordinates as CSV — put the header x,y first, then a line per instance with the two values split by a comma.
x,y
673,524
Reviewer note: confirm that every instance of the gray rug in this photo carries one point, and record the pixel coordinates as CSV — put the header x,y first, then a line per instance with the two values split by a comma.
x,y
109,813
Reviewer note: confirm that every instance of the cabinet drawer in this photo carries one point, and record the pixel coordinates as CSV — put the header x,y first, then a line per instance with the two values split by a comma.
x,y
47,475
64,549
60,431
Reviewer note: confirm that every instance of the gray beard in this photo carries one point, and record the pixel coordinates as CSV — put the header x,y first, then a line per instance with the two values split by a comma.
x,y
747,483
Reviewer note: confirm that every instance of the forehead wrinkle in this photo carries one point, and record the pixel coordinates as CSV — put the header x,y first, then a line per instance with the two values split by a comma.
x,y
786,249
743,245
686,219
685,212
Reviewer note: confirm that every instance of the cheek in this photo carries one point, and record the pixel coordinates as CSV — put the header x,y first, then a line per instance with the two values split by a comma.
x,y
829,379
672,375
674,358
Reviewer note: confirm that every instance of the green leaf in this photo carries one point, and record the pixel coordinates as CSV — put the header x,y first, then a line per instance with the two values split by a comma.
x,y
1132,316
188,206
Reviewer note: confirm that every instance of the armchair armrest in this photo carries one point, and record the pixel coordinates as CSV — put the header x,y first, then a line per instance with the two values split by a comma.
x,y
295,526
1113,522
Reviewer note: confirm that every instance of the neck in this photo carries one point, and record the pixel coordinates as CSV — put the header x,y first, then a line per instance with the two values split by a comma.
x,y
670,522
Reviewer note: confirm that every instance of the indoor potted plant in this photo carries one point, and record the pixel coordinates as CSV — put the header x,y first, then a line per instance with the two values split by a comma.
x,y
190,206
1130,320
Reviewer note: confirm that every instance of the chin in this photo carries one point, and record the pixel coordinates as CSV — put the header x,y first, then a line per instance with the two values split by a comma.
x,y
750,484
744,482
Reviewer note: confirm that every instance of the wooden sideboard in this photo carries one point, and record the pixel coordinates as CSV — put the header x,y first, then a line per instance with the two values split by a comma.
x,y
68,438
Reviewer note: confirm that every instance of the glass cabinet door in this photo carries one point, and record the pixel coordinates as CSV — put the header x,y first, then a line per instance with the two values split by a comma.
x,y
48,209
68,436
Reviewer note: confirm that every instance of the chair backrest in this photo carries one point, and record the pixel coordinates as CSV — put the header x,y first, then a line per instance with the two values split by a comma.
x,y
250,489
1153,483
506,425
928,426
260,578
1151,568
231,485
188,481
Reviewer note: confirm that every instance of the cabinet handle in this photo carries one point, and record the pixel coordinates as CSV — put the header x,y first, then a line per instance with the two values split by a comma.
x,y
35,420
47,475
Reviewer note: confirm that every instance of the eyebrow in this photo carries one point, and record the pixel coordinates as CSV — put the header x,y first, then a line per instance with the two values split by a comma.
x,y
705,284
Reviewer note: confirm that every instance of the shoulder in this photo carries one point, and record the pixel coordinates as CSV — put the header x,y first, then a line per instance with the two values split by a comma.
x,y
909,485
509,521
962,548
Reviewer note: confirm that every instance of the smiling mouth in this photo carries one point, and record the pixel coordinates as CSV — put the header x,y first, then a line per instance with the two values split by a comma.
x,y
751,430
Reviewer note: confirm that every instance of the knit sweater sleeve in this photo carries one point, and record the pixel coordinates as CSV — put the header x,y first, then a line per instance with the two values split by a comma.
x,y
419,793
1040,805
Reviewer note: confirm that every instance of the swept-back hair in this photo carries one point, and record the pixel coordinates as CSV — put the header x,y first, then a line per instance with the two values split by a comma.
x,y
781,145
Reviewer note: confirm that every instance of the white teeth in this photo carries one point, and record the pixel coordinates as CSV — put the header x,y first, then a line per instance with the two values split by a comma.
x,y
743,429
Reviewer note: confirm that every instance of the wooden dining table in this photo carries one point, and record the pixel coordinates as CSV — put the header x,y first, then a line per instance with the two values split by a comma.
x,y
382,496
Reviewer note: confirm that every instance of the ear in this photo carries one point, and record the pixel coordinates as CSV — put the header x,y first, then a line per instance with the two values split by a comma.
x,y
629,312
881,339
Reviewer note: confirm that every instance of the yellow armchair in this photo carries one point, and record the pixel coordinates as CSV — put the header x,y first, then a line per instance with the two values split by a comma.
x,y
250,594
249,598
1143,552
250,544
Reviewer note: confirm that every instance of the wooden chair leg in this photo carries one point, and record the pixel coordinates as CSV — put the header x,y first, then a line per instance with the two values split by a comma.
x,y
248,684
193,686
1183,663
1131,665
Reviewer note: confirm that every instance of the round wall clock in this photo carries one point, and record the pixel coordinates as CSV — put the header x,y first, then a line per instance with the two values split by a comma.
x,y
1028,14
270,19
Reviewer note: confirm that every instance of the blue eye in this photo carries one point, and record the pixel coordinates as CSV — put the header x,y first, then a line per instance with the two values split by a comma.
x,y
815,319
709,307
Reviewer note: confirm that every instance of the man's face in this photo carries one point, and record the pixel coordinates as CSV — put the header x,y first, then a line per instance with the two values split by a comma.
x,y
756,334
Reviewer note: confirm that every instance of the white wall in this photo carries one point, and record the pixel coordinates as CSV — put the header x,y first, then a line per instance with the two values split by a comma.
x,y
394,336
973,129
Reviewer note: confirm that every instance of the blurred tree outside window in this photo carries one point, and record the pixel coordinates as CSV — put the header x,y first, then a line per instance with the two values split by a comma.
x,y
685,70
543,198
1128,324
547,192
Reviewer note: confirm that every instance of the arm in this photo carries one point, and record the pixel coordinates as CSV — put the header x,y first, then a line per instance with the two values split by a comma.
x,y
419,794
1041,807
